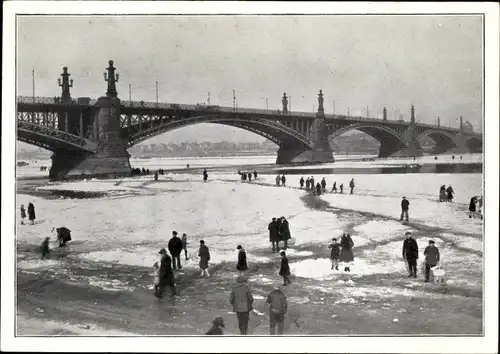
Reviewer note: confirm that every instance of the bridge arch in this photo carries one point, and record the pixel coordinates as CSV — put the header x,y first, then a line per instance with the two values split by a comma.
x,y
272,130
390,140
444,140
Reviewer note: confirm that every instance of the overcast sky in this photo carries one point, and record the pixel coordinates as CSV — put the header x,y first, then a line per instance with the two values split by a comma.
x,y
433,62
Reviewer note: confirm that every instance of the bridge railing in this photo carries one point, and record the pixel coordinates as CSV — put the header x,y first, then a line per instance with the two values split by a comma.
x,y
54,100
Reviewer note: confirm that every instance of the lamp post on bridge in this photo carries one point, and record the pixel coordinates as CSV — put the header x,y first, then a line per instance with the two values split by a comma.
x,y
111,78
65,85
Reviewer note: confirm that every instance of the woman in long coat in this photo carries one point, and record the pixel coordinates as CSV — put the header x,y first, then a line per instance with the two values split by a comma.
x,y
166,274
346,254
284,233
442,194
31,213
204,254
285,269
472,207
242,259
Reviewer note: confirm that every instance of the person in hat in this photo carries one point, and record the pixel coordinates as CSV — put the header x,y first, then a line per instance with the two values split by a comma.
x,y
175,249
410,254
166,274
277,309
405,204
242,300
432,257
63,235
334,253
346,254
31,213
274,236
242,259
217,325
284,232
204,255
285,269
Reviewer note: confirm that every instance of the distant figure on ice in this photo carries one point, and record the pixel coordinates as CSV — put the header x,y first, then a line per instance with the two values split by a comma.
x,y
301,182
341,188
334,253
205,175
277,309
278,180
283,180
44,248
435,157
346,254
187,166
242,259
184,245
31,213
308,183
410,254
166,274
351,185
284,232
405,205
204,255
274,236
449,193
249,177
243,176
334,188
460,157
23,214
217,325
442,194
311,183
175,249
63,235
156,176
284,269
143,171
432,256
453,157
254,174
147,171
318,189
156,277
479,206
242,300
323,184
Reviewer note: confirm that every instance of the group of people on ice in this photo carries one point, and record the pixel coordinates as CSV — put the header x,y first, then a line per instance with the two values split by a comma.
x,y
410,255
31,213
279,231
446,194
342,252
320,187
281,180
245,175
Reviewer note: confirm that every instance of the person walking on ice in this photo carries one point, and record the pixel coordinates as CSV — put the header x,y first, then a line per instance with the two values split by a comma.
x,y
334,253
405,205
432,257
341,188
351,185
204,255
301,182
274,236
242,259
449,193
184,245
323,184
285,269
242,300
278,180
175,249
346,254
334,188
283,180
410,254
23,214
31,213
277,309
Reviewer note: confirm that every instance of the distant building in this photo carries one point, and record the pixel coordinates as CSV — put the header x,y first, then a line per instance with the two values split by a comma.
x,y
467,127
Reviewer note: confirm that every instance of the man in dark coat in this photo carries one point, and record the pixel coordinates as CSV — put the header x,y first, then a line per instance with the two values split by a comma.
x,y
472,207
242,300
318,189
63,236
274,234
254,174
31,213
277,309
410,253
323,184
284,232
405,205
308,183
283,179
204,254
346,253
175,249
44,248
302,182
166,274
351,185
285,269
432,257
242,259
205,175
249,177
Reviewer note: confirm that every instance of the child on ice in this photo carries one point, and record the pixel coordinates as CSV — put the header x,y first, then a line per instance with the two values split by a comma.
x,y
335,253
156,275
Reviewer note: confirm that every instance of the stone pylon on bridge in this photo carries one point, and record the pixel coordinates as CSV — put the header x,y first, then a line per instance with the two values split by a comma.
x,y
111,158
413,148
321,151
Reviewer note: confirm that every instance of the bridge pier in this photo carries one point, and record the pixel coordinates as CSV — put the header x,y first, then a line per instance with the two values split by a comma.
x,y
110,160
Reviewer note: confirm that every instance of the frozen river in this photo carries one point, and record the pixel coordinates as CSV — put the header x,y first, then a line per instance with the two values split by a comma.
x,y
117,237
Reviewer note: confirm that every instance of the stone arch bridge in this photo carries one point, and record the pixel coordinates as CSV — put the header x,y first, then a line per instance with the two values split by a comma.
x,y
91,137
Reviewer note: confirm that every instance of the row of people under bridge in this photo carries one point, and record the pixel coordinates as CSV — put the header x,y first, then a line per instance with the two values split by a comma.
x,y
247,175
